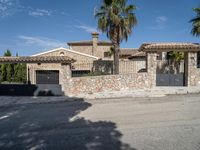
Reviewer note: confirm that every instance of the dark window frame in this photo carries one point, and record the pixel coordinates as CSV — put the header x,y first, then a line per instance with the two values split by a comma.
x,y
107,55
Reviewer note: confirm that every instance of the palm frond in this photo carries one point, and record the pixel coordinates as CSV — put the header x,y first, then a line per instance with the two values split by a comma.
x,y
196,23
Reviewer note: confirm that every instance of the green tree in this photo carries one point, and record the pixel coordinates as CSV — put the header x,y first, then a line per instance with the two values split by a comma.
x,y
9,67
9,72
8,53
3,72
20,73
16,70
176,57
196,23
5,68
116,19
23,73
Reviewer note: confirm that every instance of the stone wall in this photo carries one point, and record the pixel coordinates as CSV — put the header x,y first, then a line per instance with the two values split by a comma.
x,y
192,73
152,66
108,83
94,84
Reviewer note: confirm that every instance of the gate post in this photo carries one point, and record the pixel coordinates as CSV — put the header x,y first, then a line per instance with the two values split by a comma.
x,y
151,67
192,73
65,76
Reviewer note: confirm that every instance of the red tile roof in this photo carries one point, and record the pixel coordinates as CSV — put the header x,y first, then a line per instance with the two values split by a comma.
x,y
138,55
80,43
170,46
47,59
128,51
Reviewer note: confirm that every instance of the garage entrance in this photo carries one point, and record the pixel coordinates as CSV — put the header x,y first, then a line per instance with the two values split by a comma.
x,y
47,77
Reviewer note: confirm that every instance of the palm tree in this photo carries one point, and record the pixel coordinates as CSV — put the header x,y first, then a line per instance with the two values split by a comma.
x,y
176,57
196,23
117,19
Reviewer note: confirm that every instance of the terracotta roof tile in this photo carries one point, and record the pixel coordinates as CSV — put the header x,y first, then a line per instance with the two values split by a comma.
x,y
47,59
169,46
128,51
138,55
89,43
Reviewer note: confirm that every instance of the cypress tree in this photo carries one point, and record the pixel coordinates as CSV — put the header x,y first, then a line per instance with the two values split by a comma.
x,y
3,72
12,72
9,73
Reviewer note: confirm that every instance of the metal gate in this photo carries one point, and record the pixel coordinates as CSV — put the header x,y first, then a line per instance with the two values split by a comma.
x,y
170,80
47,77
170,73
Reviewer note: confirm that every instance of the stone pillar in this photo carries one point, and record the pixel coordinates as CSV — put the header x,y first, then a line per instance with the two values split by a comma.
x,y
151,65
95,37
191,70
65,76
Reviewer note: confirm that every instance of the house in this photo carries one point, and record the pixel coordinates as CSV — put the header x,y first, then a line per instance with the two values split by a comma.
x,y
89,55
92,47
56,67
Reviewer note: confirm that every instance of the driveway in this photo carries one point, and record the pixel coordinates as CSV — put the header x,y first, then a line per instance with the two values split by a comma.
x,y
166,123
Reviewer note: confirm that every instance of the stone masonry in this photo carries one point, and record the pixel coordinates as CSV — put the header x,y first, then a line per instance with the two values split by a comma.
x,y
108,83
192,72
94,84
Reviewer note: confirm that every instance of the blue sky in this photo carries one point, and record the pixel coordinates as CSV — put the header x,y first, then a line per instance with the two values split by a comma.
x,y
32,26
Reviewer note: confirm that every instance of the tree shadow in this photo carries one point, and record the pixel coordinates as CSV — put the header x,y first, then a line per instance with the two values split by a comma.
x,y
53,126
30,90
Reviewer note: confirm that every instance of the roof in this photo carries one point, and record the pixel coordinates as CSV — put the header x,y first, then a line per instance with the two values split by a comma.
x,y
68,50
83,43
128,51
138,55
170,46
47,59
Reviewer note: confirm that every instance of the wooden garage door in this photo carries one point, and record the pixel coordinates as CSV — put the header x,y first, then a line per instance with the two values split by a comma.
x,y
47,77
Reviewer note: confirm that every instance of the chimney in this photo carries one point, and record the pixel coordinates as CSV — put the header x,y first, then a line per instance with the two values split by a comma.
x,y
95,37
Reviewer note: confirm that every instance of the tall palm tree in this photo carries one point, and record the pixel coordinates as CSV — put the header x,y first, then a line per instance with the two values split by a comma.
x,y
117,19
196,23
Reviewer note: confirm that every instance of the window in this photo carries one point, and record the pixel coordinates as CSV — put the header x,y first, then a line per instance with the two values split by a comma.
x,y
107,54
159,56
62,53
198,59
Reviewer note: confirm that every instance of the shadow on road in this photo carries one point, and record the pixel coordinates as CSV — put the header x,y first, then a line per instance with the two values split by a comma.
x,y
53,126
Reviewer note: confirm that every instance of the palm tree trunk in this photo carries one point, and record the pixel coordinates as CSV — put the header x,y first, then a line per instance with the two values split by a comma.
x,y
116,59
116,53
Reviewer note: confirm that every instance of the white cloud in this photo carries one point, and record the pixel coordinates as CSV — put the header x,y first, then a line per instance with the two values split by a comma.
x,y
40,41
86,28
40,12
11,7
160,23
161,19
7,7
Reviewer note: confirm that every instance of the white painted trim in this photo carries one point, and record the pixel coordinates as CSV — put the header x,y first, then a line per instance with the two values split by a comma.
x,y
65,49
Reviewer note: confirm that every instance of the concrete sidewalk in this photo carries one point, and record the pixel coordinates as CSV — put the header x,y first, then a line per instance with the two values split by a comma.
x,y
155,92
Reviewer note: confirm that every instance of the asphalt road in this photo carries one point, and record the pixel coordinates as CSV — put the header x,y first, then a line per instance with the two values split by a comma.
x,y
167,123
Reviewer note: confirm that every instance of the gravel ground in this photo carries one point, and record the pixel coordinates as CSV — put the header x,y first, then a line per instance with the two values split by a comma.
x,y
160,123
